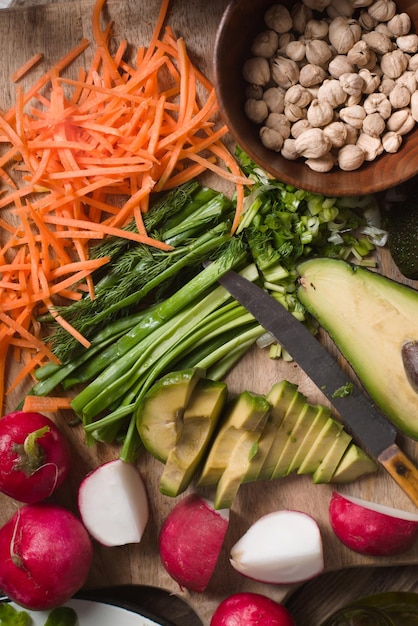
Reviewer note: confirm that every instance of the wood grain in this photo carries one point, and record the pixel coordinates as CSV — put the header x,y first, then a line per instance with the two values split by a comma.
x,y
53,29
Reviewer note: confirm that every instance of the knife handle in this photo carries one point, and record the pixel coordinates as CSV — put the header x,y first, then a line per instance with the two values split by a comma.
x,y
402,470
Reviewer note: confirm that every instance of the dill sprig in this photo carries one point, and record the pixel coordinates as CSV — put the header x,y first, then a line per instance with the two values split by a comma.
x,y
194,218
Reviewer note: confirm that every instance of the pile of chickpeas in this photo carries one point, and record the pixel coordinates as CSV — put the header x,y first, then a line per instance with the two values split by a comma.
x,y
334,82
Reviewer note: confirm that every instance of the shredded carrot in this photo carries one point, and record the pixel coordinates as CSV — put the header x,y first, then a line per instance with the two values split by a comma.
x,y
26,67
80,158
49,404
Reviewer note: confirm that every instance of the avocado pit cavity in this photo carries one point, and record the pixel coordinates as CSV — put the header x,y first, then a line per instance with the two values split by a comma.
x,y
410,362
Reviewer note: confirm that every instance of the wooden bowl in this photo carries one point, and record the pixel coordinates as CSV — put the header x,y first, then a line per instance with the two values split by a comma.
x,y
241,21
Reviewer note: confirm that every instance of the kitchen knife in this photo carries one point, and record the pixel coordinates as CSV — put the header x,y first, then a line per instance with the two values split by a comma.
x,y
365,422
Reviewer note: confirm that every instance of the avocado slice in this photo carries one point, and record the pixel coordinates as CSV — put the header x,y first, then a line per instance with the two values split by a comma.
x,y
247,412
280,395
320,447
355,463
238,464
200,418
328,465
159,418
315,418
294,437
373,321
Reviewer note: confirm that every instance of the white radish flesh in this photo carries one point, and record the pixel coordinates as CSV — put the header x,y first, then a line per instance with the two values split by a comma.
x,y
282,547
113,504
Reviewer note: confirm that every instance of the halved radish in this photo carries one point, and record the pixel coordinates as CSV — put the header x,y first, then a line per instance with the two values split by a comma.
x,y
251,609
190,541
113,503
371,528
282,547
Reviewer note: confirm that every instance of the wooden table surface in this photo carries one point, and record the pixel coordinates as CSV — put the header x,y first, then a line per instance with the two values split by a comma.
x,y
350,576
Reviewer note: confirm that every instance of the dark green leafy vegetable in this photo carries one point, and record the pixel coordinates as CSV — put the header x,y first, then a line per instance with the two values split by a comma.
x,y
62,616
283,225
195,220
9,616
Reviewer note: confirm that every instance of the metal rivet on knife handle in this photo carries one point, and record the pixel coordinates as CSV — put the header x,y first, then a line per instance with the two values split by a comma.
x,y
402,470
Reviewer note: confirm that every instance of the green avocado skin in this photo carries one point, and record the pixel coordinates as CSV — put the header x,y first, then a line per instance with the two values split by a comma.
x,y
371,319
402,225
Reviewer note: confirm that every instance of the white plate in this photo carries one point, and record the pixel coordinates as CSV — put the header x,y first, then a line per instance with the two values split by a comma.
x,y
95,614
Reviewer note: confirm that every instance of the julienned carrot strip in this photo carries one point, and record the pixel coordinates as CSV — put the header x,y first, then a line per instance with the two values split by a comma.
x,y
192,171
31,364
107,230
129,207
51,239
15,139
7,227
87,162
216,168
48,404
157,29
12,325
26,67
88,264
29,298
41,82
208,109
58,318
82,252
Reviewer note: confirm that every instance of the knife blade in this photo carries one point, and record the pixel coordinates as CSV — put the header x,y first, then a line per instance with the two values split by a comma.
x,y
363,419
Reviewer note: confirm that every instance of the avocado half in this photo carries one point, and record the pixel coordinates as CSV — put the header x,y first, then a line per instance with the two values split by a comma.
x,y
373,321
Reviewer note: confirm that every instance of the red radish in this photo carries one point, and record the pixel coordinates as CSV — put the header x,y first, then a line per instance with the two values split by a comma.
x,y
113,503
190,541
34,456
282,547
251,609
371,528
45,556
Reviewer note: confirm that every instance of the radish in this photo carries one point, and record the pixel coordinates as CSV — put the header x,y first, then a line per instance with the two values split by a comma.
x,y
282,547
113,503
190,541
251,609
34,456
371,528
45,556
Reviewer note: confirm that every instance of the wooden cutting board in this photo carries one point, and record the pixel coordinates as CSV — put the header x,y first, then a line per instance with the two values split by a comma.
x,y
53,29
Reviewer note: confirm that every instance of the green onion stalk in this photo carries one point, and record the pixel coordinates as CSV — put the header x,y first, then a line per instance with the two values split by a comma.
x,y
199,324
284,225
193,219
158,311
